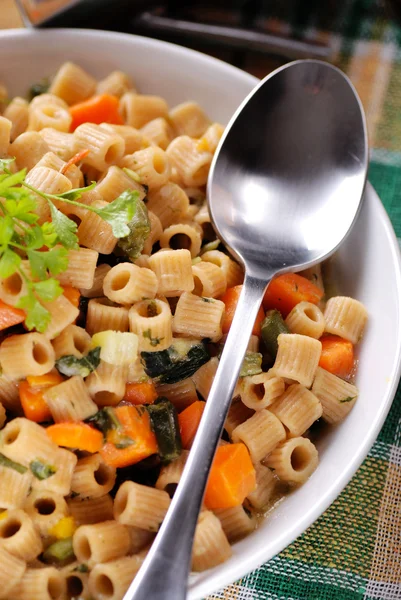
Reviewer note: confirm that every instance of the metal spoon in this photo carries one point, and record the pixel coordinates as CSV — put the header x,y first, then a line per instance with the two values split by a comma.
x,y
284,190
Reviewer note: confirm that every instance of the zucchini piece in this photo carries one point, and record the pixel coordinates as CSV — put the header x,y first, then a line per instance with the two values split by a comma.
x,y
178,362
59,552
163,417
272,326
252,364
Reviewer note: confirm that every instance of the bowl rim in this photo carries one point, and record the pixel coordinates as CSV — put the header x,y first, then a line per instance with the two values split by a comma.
x,y
250,562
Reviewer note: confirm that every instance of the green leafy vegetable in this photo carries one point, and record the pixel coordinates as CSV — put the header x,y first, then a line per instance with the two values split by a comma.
x,y
154,341
41,470
41,87
10,464
45,246
178,362
71,365
164,421
82,568
348,399
104,420
139,229
59,552
252,364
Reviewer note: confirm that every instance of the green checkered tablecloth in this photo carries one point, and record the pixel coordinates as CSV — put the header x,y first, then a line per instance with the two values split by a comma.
x,y
353,552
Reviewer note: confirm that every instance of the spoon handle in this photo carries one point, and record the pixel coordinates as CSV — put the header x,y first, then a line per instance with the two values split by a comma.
x,y
164,573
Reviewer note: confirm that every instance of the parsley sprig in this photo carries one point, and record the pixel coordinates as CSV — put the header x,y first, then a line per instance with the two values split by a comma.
x,y
45,246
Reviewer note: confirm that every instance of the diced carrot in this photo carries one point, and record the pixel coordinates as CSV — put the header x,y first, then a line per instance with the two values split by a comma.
x,y
140,393
31,395
285,291
230,299
9,315
33,404
76,435
337,356
135,426
232,477
189,420
74,160
44,381
97,109
72,294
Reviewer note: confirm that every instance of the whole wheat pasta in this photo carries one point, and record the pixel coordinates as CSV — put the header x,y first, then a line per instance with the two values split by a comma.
x,y
92,478
26,354
260,391
151,320
298,408
140,506
151,165
47,99
48,180
60,143
45,508
140,539
100,542
173,269
81,268
169,203
46,583
294,460
9,395
18,113
2,415
127,283
49,115
62,313
12,570
237,414
170,474
96,290
209,280
236,523
204,376
192,164
265,487
336,395
19,536
159,132
116,83
115,182
306,319
13,288
63,464
199,317
28,149
182,235
133,138
76,582
232,271
112,579
14,488
189,119
106,385
181,394
260,433
105,148
297,357
23,441
104,315
73,173
72,341
94,232
137,110
87,511
156,231
345,317
70,401
136,372
211,546
72,83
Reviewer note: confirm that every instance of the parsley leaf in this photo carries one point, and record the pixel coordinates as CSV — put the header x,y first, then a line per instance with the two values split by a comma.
x,y
65,228
9,263
119,212
37,316
48,290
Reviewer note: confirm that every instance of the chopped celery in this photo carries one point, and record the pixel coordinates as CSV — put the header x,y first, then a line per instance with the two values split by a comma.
x,y
59,552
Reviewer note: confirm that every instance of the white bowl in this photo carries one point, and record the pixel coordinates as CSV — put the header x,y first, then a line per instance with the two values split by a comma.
x,y
367,265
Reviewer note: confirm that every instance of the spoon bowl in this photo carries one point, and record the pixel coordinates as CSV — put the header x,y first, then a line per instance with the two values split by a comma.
x,y
284,190
286,181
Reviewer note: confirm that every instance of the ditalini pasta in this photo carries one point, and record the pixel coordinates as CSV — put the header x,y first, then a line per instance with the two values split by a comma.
x,y
115,302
